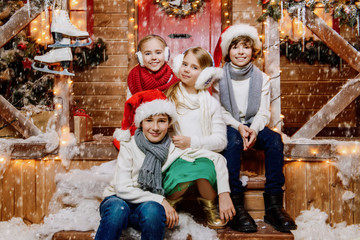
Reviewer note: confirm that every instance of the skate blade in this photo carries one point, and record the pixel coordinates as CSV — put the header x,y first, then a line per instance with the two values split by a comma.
x,y
57,44
47,70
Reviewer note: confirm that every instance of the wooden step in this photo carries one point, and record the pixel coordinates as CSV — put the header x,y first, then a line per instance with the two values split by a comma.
x,y
265,232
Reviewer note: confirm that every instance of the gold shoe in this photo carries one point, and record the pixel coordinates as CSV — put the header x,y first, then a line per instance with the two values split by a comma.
x,y
174,202
212,213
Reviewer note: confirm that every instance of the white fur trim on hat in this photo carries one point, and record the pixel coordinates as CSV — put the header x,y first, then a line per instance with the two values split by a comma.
x,y
155,107
177,62
239,30
207,77
122,135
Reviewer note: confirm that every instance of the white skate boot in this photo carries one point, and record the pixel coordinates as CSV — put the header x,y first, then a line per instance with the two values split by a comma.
x,y
54,56
61,25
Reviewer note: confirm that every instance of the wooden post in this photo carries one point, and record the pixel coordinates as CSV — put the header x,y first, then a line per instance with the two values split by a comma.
x,y
132,36
328,112
18,21
22,125
62,102
272,69
333,40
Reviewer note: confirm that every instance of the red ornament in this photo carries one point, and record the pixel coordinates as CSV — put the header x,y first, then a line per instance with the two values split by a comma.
x,y
265,1
26,63
22,46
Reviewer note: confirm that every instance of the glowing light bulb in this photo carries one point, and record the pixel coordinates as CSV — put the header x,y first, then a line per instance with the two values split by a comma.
x,y
2,159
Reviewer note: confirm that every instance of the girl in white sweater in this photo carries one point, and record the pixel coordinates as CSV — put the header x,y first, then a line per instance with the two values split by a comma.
x,y
199,126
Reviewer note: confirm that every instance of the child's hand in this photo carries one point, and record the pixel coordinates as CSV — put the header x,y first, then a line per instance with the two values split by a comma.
x,y
172,218
181,142
252,138
226,207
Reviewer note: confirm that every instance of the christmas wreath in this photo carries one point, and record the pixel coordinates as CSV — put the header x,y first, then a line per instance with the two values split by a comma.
x,y
180,8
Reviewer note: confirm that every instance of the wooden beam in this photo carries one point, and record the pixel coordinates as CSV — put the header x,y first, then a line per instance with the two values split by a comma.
x,y
327,113
18,21
22,125
272,69
333,40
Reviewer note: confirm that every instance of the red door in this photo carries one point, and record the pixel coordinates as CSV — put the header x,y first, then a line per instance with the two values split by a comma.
x,y
202,28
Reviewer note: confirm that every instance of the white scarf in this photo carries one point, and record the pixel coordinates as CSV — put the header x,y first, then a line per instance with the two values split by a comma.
x,y
187,104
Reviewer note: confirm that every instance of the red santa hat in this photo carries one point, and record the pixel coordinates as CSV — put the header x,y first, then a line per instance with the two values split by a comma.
x,y
231,32
141,106
205,78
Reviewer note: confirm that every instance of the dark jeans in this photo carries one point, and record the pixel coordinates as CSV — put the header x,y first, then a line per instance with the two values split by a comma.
x,y
117,214
268,141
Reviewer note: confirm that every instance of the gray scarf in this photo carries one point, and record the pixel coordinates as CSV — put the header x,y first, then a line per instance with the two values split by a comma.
x,y
227,95
150,178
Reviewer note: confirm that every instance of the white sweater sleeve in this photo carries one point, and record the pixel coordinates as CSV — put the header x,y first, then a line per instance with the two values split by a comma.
x,y
262,117
123,183
217,141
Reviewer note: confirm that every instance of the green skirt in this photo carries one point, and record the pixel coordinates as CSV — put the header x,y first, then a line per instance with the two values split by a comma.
x,y
181,174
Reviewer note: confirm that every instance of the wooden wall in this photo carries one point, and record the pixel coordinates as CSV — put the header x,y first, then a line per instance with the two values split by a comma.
x,y
315,184
27,187
101,91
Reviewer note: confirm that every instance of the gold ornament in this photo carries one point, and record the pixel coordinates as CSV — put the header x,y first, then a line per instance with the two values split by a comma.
x,y
180,8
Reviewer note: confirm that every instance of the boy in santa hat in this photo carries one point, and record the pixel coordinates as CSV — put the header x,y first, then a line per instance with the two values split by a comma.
x,y
244,93
135,196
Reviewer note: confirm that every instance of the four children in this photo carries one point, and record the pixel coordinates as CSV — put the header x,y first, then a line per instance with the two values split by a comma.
x,y
152,165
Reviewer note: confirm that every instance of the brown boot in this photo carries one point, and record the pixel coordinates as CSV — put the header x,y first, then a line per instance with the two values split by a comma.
x,y
211,210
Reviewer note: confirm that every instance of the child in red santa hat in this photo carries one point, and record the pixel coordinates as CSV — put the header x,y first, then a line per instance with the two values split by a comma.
x,y
136,195
152,72
244,93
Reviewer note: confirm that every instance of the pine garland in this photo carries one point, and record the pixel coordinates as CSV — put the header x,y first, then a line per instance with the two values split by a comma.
x,y
310,52
346,11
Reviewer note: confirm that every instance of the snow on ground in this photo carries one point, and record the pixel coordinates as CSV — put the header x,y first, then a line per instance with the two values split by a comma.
x,y
312,226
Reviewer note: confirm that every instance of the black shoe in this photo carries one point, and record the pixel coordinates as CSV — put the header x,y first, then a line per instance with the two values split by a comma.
x,y
275,213
242,221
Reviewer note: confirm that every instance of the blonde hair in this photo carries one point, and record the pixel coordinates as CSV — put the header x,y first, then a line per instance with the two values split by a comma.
x,y
205,60
149,37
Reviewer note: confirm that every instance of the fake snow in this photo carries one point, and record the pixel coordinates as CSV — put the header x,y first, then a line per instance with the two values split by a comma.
x,y
311,225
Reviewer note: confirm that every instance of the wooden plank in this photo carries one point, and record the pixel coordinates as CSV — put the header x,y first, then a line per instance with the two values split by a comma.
x,y
329,111
111,33
303,115
105,19
106,117
301,72
103,74
246,6
20,19
318,187
8,200
108,6
19,188
306,88
356,185
254,201
99,88
29,190
22,125
28,150
100,101
316,151
340,211
332,39
41,188
301,101
116,48
295,186
115,61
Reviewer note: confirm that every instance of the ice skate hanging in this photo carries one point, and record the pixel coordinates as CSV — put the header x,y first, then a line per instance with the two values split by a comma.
x,y
180,8
61,26
54,57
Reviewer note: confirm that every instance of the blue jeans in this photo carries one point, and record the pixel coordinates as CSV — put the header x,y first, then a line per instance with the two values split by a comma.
x,y
268,141
117,214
